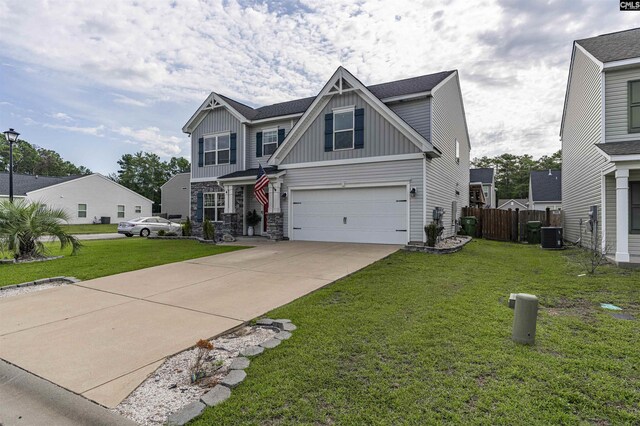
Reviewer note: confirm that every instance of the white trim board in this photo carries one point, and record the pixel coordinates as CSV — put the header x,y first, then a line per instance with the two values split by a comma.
x,y
363,160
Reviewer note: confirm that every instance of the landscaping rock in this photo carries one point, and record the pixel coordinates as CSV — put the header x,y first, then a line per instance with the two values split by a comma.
x,y
228,238
233,378
216,395
283,335
186,414
288,326
239,363
252,351
280,323
270,344
264,321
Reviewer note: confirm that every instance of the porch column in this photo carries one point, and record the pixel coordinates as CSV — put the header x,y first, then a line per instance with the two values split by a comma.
x,y
622,215
229,199
274,197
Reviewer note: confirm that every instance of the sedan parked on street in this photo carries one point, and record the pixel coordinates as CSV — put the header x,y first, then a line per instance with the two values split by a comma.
x,y
144,226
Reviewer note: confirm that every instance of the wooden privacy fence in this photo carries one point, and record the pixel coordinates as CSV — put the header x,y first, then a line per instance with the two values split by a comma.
x,y
509,225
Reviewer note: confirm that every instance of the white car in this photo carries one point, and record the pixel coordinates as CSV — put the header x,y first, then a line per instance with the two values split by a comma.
x,y
144,226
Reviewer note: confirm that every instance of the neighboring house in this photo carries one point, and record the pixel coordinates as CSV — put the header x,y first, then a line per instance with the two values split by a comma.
x,y
545,190
513,203
175,196
83,197
486,180
600,136
354,163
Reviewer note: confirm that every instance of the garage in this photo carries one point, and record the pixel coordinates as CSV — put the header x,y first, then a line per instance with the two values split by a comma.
x,y
357,215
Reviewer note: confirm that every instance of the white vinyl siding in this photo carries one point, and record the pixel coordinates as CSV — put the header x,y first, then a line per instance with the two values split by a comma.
x,y
581,160
617,104
417,113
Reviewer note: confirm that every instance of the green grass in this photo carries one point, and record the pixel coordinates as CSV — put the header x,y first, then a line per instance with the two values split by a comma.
x,y
92,229
107,257
425,339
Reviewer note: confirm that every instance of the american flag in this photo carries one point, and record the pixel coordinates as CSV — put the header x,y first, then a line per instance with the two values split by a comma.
x,y
261,183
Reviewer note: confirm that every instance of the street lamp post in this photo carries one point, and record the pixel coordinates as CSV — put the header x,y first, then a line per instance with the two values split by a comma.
x,y
12,137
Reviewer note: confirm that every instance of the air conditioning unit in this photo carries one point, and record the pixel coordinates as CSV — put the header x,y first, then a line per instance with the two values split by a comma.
x,y
551,237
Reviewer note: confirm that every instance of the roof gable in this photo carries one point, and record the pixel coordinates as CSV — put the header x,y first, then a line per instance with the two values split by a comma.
x,y
22,184
342,81
546,185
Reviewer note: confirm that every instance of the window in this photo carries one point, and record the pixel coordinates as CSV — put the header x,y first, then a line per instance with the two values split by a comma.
x,y
343,130
634,106
216,149
120,211
82,210
269,141
457,151
213,205
634,207
138,209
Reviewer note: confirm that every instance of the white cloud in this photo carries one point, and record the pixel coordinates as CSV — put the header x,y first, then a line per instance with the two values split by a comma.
x,y
61,116
152,140
93,131
512,56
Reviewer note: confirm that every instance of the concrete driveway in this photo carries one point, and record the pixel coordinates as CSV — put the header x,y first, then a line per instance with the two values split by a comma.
x,y
101,338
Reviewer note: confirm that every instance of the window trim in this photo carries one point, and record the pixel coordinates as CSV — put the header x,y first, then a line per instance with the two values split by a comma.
x,y
630,106
84,211
137,209
216,150
457,151
631,206
118,211
216,207
270,129
352,110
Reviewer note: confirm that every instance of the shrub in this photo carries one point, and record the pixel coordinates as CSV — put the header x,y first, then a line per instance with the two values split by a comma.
x,y
208,230
161,233
186,228
22,224
203,347
433,231
170,234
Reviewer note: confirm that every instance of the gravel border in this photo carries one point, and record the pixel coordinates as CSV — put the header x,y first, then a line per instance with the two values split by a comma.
x,y
435,250
15,261
68,280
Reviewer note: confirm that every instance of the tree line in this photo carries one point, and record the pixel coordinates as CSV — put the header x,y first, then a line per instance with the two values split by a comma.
x,y
512,171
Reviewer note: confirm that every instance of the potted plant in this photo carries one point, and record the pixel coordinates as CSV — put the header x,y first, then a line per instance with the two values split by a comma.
x,y
253,218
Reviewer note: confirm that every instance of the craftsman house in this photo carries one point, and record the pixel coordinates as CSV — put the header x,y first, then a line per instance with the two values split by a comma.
x,y
600,136
355,163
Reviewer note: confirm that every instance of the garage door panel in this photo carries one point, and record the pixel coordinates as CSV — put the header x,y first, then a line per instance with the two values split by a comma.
x,y
373,215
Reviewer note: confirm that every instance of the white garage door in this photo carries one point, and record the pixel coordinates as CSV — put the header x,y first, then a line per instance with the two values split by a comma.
x,y
358,215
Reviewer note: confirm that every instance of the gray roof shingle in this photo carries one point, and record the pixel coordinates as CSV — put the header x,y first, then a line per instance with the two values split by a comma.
x,y
620,148
546,185
614,46
22,184
407,86
481,175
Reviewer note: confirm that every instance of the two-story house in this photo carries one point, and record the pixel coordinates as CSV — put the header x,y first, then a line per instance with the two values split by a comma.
x,y
600,136
545,190
355,163
484,179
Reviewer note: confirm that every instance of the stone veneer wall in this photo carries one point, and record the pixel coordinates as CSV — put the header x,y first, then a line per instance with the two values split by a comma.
x,y
275,226
212,186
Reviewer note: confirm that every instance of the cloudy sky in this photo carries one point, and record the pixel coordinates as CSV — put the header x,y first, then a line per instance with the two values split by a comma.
x,y
96,79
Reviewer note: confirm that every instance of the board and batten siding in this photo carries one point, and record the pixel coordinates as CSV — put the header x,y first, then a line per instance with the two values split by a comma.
x,y
581,160
218,120
444,175
634,239
374,173
380,136
417,114
252,160
616,105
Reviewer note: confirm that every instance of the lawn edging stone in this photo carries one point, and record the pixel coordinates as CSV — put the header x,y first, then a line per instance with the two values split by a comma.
x,y
271,343
422,248
239,363
216,396
233,378
186,414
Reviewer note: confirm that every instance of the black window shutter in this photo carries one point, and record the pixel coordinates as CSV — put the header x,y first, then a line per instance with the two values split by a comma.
x,y
200,152
232,148
280,136
358,127
259,144
199,207
328,132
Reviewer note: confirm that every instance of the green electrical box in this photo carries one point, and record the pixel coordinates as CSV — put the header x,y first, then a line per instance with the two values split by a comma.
x,y
524,319
533,232
469,225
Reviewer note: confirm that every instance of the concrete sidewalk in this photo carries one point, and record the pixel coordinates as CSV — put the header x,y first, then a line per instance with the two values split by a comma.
x,y
101,338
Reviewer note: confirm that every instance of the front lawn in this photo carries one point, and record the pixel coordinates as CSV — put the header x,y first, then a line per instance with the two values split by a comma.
x,y
107,257
425,339
110,228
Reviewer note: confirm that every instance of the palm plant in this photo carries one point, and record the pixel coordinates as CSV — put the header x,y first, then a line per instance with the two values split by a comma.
x,y
22,224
